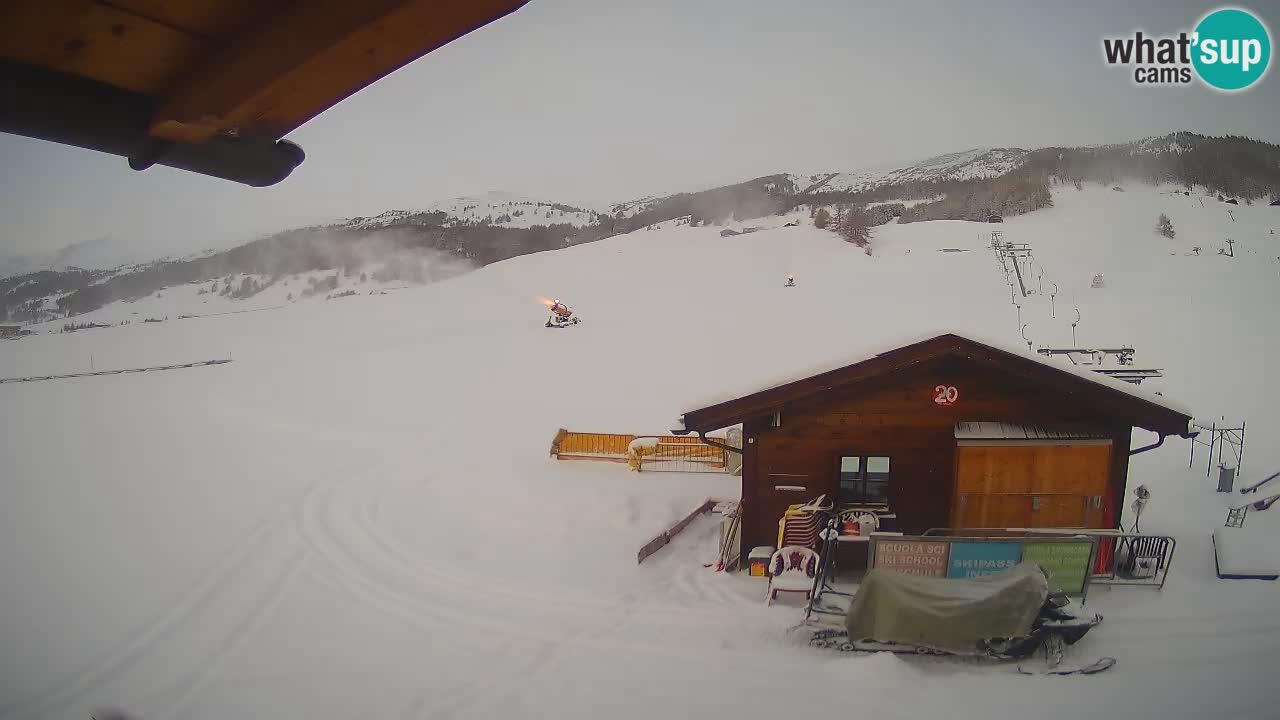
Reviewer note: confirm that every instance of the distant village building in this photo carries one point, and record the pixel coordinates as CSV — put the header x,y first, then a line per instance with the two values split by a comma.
x,y
10,331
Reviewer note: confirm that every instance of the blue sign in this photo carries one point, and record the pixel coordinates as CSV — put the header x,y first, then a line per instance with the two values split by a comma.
x,y
971,559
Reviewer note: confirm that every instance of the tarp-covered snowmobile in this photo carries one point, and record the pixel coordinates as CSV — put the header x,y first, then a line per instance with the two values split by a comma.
x,y
1005,615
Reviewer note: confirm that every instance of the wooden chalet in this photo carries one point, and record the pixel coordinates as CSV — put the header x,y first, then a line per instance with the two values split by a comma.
x,y
945,432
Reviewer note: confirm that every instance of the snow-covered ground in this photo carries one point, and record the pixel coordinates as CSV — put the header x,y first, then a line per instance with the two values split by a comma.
x,y
496,208
964,165
907,203
199,300
107,253
358,517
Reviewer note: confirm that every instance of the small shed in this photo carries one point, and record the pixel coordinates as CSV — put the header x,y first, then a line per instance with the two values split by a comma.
x,y
10,331
942,432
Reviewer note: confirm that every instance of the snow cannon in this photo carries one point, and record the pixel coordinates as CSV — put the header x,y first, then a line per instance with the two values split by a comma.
x,y
561,315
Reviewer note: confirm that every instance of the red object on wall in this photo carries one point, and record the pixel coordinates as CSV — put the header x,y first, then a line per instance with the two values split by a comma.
x,y
1106,546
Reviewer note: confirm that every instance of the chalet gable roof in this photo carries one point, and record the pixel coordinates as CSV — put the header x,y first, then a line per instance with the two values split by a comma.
x,y
1124,402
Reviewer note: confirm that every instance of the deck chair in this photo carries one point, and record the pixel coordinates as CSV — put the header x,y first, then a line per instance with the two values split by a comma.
x,y
792,569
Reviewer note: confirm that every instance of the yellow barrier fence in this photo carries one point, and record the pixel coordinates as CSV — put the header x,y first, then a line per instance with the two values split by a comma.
x,y
669,453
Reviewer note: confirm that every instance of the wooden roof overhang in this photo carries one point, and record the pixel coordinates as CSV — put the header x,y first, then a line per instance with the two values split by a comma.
x,y
210,86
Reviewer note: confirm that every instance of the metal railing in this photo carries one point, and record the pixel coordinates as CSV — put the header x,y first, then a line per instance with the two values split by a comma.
x,y
1131,559
1142,560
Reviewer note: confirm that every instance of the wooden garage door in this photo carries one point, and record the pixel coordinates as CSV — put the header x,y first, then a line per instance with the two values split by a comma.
x,y
1024,485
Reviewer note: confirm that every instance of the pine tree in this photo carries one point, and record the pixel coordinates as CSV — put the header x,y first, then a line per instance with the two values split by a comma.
x,y
854,226
821,219
1164,226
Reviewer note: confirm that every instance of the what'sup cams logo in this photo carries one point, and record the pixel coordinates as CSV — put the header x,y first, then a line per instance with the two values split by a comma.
x,y
1229,50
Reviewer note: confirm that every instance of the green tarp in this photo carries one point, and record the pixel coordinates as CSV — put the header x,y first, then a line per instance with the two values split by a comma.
x,y
946,613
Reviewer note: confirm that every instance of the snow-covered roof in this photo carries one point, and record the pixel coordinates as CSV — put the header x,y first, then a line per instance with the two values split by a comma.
x,y
833,364
1017,431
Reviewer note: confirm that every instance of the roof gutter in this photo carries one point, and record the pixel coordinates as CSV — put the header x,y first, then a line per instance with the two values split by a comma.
x,y
1145,448
1159,442
727,448
702,437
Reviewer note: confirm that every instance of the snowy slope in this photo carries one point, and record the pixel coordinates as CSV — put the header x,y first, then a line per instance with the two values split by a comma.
x,y
357,517
495,207
104,253
965,165
195,300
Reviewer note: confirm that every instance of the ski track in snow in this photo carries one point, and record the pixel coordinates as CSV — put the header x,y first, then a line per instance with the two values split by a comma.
x,y
201,607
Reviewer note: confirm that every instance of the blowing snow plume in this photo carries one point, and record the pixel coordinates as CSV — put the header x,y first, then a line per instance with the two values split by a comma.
x,y
397,254
406,254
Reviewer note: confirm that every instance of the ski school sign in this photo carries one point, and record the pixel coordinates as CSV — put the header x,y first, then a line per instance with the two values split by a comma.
x,y
1067,560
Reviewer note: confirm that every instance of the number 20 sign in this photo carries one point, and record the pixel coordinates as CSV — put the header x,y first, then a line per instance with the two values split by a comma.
x,y
945,395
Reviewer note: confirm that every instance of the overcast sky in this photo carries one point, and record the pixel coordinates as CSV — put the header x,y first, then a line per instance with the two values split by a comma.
x,y
594,101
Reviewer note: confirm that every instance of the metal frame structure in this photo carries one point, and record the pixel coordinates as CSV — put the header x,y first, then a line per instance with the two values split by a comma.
x,y
1015,251
1219,438
826,569
1124,354
1124,359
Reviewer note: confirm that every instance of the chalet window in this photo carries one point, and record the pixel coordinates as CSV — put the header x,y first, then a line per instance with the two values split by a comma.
x,y
864,480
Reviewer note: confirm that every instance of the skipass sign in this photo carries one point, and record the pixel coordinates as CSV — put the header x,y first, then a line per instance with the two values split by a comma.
x,y
1067,560
1229,50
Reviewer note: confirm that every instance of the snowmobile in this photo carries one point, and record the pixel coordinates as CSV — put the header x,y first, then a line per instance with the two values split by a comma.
x,y
561,316
791,281
1006,616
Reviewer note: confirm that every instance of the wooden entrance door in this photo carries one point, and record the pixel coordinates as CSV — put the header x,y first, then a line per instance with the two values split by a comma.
x,y
1027,485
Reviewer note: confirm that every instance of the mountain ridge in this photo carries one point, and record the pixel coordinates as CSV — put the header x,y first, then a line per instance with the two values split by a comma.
x,y
473,231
